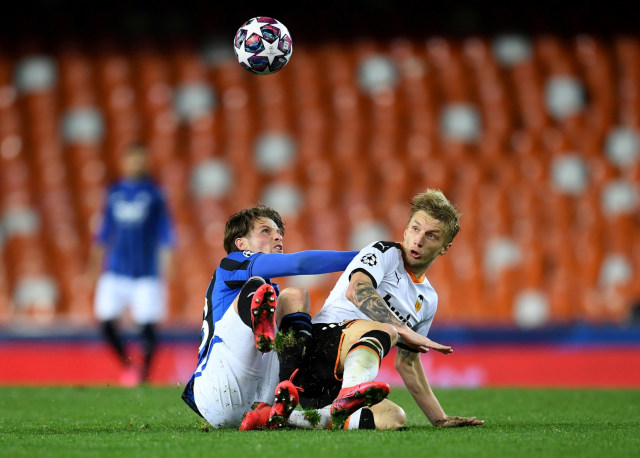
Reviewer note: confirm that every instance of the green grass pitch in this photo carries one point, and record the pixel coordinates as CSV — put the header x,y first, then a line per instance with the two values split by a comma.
x,y
154,422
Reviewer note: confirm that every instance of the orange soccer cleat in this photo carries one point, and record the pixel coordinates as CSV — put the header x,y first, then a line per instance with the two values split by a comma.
x,y
352,398
263,317
256,418
286,401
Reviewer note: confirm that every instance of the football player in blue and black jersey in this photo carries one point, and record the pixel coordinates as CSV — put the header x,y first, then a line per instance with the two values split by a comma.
x,y
131,255
236,367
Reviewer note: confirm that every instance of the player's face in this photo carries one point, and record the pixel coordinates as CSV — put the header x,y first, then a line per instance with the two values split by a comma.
x,y
134,164
424,241
264,237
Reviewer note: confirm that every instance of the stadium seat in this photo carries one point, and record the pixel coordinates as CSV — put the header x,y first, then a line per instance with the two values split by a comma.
x,y
394,179
25,252
188,284
6,304
486,121
326,230
622,146
284,196
211,179
531,309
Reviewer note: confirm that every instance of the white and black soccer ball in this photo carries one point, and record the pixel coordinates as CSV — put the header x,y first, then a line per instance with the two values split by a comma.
x,y
263,45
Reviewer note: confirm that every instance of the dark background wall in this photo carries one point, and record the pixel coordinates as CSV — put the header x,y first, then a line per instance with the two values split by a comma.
x,y
47,22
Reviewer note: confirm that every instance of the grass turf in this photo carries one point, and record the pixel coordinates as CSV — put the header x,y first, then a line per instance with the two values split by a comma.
x,y
153,421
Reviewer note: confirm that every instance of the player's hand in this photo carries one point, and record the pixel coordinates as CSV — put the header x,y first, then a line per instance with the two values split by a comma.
x,y
421,343
444,349
454,422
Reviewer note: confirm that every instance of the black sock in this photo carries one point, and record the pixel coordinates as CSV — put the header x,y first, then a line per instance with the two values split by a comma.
x,y
292,354
366,420
244,299
149,343
376,340
113,339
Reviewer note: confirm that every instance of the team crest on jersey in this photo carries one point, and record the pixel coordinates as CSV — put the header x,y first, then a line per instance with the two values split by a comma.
x,y
369,259
247,253
419,302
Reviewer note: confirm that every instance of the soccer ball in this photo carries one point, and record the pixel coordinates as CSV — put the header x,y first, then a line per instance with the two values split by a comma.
x,y
263,45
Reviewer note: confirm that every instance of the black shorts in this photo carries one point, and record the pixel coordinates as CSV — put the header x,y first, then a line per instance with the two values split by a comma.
x,y
318,377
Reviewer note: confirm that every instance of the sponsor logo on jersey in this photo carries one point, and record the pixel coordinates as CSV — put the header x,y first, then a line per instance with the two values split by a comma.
x,y
248,253
369,259
419,302
131,211
397,313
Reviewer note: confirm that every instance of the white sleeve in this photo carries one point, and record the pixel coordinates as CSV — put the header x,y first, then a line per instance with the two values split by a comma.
x,y
372,261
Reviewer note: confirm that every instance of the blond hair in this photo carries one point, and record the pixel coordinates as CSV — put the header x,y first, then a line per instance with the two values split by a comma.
x,y
435,204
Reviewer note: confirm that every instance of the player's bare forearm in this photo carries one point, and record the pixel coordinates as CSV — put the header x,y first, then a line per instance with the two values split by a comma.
x,y
363,295
410,368
367,299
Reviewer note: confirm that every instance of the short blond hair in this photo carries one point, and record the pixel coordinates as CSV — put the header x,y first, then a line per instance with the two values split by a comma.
x,y
435,204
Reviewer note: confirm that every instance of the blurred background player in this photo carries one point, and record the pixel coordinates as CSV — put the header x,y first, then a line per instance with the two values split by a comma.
x,y
131,255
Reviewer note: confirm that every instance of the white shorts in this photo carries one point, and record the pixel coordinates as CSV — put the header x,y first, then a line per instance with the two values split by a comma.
x,y
235,375
146,296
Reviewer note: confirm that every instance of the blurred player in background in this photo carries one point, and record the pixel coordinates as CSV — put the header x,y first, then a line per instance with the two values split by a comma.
x,y
131,259
236,367
383,297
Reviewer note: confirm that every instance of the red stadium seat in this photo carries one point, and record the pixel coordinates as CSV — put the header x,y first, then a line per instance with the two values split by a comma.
x,y
6,305
359,156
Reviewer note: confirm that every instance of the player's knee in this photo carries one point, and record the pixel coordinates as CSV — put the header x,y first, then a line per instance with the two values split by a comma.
x,y
392,332
293,300
377,340
396,419
242,302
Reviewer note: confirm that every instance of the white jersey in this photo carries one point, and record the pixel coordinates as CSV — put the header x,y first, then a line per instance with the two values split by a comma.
x,y
413,300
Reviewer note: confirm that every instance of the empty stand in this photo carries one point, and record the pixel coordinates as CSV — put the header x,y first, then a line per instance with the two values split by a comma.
x,y
534,138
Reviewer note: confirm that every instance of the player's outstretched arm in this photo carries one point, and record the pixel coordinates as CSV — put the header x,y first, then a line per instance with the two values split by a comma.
x,y
362,293
311,262
410,368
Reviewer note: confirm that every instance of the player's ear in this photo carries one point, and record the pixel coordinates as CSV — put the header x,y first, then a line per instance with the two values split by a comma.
x,y
445,249
242,243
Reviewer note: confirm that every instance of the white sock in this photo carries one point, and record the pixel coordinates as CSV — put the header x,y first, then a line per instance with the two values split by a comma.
x,y
354,419
361,365
297,419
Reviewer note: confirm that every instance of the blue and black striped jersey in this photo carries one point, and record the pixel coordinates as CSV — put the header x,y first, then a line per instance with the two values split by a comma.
x,y
135,225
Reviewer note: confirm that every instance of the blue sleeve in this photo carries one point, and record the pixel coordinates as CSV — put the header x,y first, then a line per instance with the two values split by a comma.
x,y
165,228
302,263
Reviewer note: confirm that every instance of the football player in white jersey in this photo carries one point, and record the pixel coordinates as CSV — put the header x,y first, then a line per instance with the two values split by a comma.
x,y
386,282
383,291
